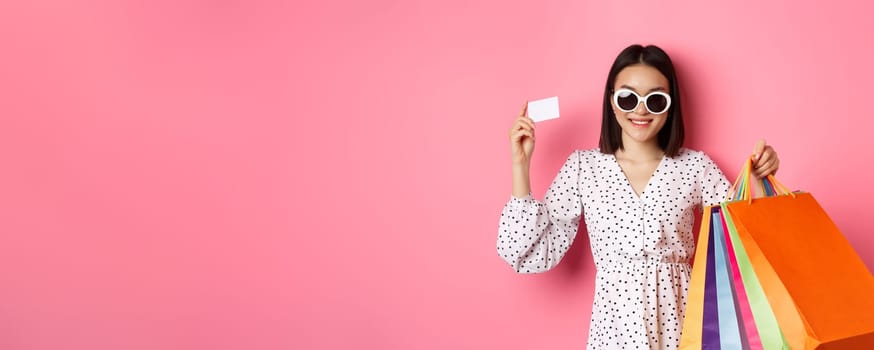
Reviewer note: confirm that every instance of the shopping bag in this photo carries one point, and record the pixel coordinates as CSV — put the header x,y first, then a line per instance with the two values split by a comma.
x,y
745,312
768,329
732,335
818,287
713,317
721,312
702,323
710,332
721,328
693,318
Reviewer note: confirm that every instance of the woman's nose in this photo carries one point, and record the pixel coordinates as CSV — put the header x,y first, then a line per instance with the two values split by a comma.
x,y
641,108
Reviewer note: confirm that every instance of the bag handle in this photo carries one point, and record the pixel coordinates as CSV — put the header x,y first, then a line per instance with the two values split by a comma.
x,y
742,189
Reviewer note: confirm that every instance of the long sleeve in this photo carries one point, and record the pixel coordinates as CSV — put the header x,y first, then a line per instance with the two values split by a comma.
x,y
714,185
533,236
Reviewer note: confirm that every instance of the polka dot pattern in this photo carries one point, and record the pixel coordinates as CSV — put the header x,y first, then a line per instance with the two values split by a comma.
x,y
641,245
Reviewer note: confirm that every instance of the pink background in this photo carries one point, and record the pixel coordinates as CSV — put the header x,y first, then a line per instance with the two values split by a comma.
x,y
326,175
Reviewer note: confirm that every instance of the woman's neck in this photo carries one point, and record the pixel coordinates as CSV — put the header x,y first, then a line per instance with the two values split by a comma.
x,y
640,151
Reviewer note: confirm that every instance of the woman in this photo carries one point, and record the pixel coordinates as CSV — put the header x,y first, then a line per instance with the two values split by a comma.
x,y
637,191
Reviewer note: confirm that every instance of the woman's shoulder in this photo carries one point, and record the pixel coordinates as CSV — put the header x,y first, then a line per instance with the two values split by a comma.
x,y
691,155
694,159
586,158
590,155
589,152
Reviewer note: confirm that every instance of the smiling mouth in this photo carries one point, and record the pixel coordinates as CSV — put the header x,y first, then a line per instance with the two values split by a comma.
x,y
641,122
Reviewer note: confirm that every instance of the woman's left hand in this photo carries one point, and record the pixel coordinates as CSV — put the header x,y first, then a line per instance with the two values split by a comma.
x,y
765,161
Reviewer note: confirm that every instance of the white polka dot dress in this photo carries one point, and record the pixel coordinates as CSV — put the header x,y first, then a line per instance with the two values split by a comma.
x,y
641,244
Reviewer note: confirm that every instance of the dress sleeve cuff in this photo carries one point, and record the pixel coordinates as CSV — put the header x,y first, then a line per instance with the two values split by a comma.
x,y
521,202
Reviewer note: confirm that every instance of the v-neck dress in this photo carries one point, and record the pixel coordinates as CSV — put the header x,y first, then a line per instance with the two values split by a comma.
x,y
641,245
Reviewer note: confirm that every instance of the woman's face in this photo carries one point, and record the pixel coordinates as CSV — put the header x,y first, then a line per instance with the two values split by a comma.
x,y
640,125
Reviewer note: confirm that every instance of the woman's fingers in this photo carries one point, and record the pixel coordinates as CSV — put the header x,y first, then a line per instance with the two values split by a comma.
x,y
522,127
528,122
519,134
770,169
523,123
759,148
765,161
523,118
768,163
764,156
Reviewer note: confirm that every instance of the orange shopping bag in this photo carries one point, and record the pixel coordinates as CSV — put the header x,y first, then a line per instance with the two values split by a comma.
x,y
820,290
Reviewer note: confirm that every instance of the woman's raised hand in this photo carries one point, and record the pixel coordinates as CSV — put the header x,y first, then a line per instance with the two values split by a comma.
x,y
522,138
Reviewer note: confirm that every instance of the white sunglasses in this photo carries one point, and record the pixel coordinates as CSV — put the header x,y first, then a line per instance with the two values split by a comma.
x,y
656,102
